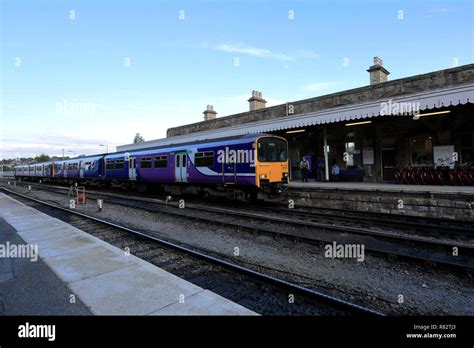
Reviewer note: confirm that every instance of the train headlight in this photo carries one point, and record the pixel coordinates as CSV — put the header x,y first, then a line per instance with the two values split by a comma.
x,y
285,175
263,176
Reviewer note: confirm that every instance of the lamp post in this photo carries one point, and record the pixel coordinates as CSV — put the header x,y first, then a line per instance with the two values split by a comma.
x,y
107,147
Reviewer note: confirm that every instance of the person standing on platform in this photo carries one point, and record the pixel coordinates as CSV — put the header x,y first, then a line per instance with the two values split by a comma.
x,y
304,169
319,169
335,172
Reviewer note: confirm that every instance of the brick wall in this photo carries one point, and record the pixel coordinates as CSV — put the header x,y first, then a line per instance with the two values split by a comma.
x,y
424,204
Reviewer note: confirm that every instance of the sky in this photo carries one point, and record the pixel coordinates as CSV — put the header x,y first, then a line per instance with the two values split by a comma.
x,y
77,74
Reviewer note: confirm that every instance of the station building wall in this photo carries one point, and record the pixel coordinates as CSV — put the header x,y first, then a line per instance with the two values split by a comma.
x,y
376,149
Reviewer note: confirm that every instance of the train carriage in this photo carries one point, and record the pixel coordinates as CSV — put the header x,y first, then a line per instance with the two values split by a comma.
x,y
235,163
240,165
78,169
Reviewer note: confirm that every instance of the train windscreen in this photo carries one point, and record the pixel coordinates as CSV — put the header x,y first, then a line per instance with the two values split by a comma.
x,y
272,150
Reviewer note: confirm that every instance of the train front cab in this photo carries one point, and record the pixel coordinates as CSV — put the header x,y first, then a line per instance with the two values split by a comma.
x,y
271,164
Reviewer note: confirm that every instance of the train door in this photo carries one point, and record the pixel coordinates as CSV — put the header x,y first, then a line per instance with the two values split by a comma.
x,y
229,173
132,168
181,167
101,163
81,169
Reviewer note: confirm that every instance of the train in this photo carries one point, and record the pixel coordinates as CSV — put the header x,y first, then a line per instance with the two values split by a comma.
x,y
240,167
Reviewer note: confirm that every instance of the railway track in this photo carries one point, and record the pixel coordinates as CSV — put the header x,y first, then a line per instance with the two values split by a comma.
x,y
263,293
451,228
454,255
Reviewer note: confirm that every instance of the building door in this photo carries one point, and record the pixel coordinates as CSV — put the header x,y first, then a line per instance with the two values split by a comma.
x,y
388,164
181,167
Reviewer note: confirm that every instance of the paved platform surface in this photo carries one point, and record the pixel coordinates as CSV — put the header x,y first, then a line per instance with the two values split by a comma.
x,y
32,288
104,279
367,186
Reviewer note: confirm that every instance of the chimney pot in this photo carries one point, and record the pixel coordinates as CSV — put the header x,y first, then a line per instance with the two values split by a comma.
x,y
378,61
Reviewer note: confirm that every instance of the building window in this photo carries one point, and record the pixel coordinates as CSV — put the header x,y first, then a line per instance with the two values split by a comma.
x,y
161,161
352,156
204,159
109,164
422,150
467,148
145,162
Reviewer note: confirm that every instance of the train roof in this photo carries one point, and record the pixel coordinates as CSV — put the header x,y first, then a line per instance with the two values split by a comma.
x,y
174,147
91,157
205,141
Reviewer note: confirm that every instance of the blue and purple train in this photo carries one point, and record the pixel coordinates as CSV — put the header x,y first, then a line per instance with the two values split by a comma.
x,y
241,166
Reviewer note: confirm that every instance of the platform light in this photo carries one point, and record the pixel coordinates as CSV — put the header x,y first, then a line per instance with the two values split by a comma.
x,y
357,123
296,131
431,114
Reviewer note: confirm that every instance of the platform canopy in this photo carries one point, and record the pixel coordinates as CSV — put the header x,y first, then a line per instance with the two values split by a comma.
x,y
381,108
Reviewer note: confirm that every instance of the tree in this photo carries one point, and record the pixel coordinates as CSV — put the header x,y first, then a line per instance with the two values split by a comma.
x,y
42,158
138,139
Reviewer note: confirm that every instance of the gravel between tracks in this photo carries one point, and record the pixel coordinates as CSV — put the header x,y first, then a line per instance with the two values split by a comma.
x,y
377,282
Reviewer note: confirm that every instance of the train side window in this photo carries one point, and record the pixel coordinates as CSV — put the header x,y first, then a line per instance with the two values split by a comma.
x,y
109,164
204,159
119,164
145,162
161,161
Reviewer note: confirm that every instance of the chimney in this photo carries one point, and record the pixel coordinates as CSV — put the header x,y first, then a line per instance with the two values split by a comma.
x,y
256,101
209,113
377,72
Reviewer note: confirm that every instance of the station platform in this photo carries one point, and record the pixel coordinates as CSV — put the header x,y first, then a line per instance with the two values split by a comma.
x,y
442,202
102,278
373,186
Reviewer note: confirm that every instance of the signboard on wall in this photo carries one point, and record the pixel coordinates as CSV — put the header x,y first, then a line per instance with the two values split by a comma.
x,y
443,156
368,156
